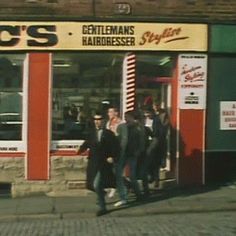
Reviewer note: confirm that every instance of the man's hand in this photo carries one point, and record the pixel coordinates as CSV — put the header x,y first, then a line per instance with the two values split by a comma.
x,y
110,160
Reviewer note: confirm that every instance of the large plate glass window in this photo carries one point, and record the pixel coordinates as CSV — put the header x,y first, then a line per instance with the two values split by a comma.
x,y
84,82
11,100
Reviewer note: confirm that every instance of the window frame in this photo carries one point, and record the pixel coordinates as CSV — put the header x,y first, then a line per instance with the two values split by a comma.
x,y
19,146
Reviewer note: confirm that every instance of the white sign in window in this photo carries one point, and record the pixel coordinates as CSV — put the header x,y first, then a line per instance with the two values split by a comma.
x,y
228,115
192,81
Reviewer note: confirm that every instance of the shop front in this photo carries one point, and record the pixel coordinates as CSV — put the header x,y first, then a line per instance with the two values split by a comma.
x,y
55,75
221,114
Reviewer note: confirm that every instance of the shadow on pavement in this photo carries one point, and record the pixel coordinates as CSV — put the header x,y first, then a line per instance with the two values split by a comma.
x,y
170,193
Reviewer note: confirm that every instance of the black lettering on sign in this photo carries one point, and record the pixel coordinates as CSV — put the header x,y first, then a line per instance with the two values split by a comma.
x,y
49,35
13,31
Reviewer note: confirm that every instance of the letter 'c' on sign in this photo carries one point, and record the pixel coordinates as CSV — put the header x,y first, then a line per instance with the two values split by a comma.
x,y
12,31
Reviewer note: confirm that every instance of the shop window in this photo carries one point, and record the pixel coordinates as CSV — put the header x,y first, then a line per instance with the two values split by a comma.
x,y
11,74
85,82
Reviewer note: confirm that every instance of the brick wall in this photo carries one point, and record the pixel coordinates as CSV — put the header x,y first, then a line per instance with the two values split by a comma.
x,y
171,10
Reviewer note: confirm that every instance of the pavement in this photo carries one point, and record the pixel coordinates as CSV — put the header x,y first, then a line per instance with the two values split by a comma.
x,y
175,200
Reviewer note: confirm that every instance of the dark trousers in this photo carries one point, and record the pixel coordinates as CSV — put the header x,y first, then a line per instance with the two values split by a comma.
x,y
120,184
153,159
132,163
99,189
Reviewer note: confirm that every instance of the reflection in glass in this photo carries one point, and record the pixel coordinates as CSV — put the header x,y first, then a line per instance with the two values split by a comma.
x,y
84,82
11,96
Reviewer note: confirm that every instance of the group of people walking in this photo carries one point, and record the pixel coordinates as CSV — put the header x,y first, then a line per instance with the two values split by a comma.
x,y
138,143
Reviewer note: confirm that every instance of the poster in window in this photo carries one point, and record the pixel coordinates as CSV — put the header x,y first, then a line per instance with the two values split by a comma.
x,y
228,115
192,76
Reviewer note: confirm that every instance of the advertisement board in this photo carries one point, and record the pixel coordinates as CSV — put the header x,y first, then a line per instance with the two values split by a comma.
x,y
192,76
228,115
102,36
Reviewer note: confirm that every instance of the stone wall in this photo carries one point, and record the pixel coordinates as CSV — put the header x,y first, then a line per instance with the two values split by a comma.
x,y
67,177
11,169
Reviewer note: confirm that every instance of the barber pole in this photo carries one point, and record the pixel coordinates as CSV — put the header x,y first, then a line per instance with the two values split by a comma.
x,y
128,88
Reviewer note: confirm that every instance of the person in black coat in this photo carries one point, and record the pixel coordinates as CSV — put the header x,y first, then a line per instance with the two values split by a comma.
x,y
103,150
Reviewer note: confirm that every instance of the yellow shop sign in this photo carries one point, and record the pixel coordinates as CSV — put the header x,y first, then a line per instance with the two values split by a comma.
x,y
102,36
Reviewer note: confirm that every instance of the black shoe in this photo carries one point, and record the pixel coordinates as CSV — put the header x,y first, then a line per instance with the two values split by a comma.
x,y
157,184
151,180
101,212
146,195
140,198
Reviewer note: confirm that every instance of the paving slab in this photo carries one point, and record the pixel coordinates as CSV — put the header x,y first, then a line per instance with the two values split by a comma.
x,y
176,200
34,205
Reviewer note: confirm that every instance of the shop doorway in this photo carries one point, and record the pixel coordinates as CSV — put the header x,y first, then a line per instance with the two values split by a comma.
x,y
155,92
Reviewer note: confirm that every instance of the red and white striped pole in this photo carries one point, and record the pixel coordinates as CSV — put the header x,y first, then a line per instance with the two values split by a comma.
x,y
128,83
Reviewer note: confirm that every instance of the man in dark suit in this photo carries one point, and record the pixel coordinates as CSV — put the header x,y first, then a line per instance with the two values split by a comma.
x,y
103,149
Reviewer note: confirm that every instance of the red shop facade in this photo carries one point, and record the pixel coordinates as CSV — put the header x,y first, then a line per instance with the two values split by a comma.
x,y
47,67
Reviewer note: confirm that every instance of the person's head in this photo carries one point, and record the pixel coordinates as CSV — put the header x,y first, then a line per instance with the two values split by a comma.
x,y
156,106
98,120
130,116
138,117
148,114
112,112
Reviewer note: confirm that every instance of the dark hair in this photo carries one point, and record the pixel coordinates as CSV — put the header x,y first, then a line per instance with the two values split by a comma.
x,y
138,115
130,113
98,113
113,107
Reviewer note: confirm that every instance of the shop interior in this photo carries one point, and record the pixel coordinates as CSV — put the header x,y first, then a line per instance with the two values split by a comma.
x,y
11,88
86,82
83,82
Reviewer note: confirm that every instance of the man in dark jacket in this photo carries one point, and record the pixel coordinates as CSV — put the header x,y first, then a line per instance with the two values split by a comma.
x,y
103,149
134,146
158,147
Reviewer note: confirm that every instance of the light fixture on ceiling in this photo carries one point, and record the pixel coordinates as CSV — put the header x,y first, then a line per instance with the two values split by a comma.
x,y
164,60
105,102
61,63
